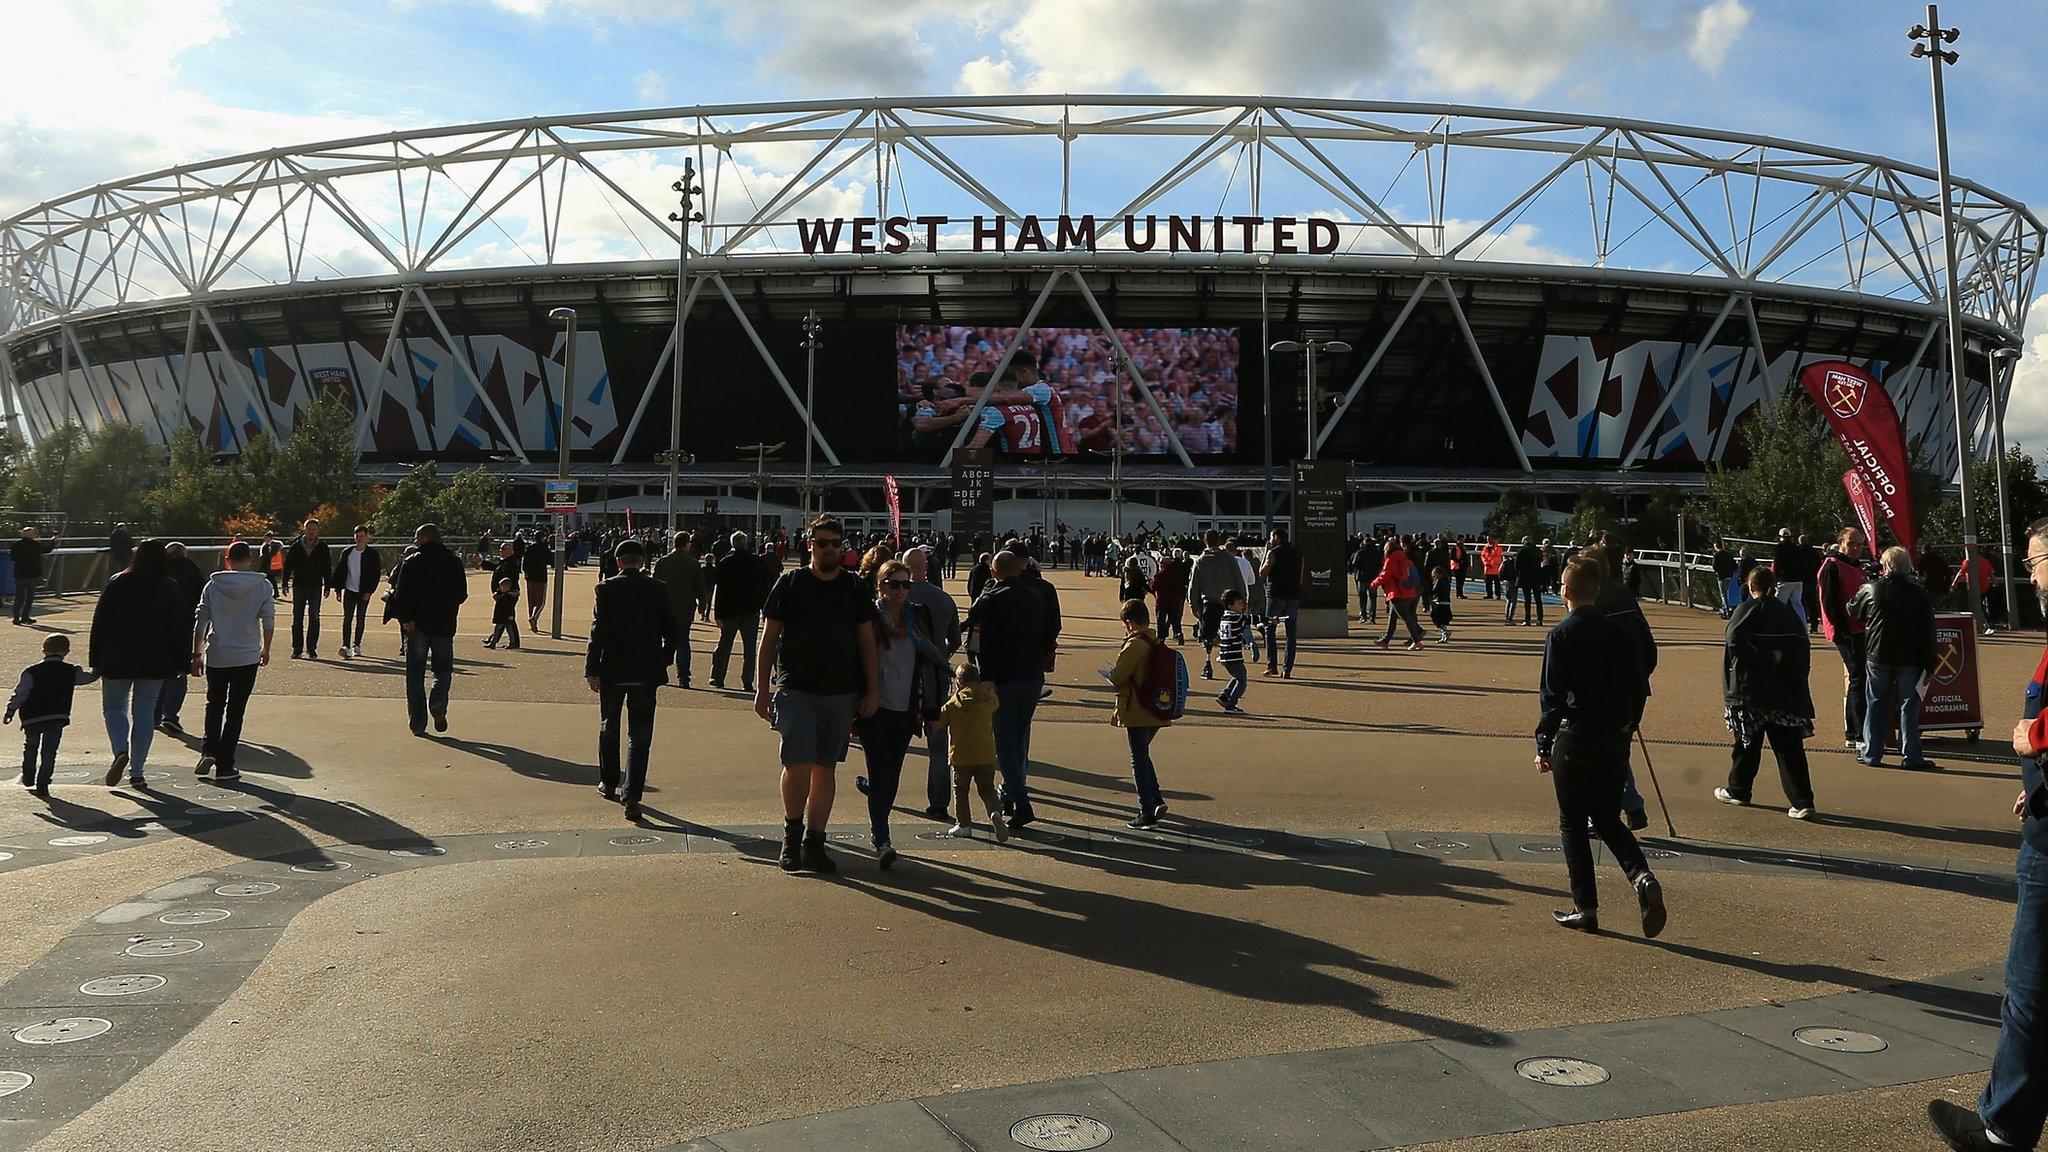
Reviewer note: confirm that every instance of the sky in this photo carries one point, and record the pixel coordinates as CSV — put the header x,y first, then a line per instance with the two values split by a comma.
x,y
106,88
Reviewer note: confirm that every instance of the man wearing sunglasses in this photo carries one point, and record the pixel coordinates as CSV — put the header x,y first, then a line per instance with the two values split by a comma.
x,y
818,642
2014,1105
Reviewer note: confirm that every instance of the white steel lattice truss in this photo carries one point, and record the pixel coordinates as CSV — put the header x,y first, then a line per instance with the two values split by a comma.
x,y
1443,190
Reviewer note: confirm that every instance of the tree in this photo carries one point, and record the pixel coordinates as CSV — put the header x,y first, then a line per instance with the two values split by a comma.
x,y
463,506
1941,522
99,475
198,493
1793,477
1594,513
1513,518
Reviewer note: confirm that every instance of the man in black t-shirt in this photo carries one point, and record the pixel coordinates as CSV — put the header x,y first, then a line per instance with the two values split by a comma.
x,y
818,638
1282,572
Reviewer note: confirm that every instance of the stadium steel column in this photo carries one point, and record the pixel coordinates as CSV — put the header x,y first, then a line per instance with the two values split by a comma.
x,y
1936,55
1266,385
562,454
810,343
2008,355
689,188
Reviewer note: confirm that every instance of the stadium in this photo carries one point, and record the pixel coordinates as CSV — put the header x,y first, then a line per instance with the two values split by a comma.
x,y
1086,287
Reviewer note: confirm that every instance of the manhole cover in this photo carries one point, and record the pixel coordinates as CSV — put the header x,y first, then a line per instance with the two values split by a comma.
x,y
77,841
1839,1040
260,888
166,947
193,917
1440,845
64,1030
12,1082
1562,1071
428,850
122,985
1062,1131
519,845
1542,847
321,866
629,841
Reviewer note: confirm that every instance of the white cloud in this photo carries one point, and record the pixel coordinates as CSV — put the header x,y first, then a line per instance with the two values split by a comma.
x,y
1719,26
651,86
986,77
2026,407
1198,46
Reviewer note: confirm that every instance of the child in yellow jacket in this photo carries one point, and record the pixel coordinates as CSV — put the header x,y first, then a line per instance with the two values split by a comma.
x,y
969,715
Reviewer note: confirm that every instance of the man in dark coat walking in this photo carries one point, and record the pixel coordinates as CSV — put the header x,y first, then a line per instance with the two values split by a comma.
x,y
307,564
191,583
428,588
28,553
689,597
633,637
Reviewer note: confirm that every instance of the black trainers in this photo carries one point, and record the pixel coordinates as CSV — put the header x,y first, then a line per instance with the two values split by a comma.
x,y
1637,819
1960,1128
120,765
226,775
1650,895
814,857
792,845
860,785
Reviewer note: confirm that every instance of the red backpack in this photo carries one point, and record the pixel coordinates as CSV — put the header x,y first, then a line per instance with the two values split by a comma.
x,y
1163,686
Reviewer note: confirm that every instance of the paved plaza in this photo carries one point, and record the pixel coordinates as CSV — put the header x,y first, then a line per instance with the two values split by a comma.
x,y
1339,938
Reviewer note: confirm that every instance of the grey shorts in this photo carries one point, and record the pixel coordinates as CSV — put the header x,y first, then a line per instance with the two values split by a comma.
x,y
814,728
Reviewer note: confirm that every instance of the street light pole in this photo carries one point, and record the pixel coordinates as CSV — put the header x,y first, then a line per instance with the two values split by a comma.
x,y
1266,387
811,326
1310,349
2005,540
760,452
689,189
1935,36
563,430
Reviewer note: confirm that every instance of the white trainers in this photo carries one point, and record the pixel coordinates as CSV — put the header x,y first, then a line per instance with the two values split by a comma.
x,y
1727,797
961,832
1799,813
1002,831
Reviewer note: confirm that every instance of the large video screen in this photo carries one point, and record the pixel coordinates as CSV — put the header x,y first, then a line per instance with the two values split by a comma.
x,y
1057,396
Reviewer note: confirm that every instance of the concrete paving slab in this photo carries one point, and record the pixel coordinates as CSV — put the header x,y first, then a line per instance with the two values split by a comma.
x,y
900,1126
1906,1057
1442,845
122,953
1713,1065
1964,1021
64,1086
1241,1106
1630,1089
135,1030
53,985
1408,1093
983,1120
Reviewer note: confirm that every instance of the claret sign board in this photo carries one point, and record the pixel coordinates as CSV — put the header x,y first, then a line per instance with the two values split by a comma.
x,y
893,235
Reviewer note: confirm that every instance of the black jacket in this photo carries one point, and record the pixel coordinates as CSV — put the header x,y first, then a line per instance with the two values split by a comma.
x,y
1593,678
28,557
741,586
505,569
1765,663
140,630
978,578
428,588
633,631
191,583
307,567
373,570
1006,631
1898,622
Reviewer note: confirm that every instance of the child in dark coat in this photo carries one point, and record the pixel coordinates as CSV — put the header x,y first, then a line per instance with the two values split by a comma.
x,y
504,614
1440,604
43,699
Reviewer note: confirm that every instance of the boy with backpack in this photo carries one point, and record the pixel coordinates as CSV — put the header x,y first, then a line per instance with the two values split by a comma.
x,y
968,717
1151,692
43,700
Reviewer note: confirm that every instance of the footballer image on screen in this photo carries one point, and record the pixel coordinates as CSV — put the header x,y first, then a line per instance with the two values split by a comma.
x,y
1057,394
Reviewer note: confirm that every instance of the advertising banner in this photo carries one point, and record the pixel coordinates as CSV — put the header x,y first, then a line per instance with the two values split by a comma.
x,y
1861,413
559,496
1866,509
1951,699
1318,530
974,508
895,499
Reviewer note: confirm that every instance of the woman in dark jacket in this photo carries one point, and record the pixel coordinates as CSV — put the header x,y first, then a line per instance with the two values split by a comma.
x,y
1764,669
1132,585
141,637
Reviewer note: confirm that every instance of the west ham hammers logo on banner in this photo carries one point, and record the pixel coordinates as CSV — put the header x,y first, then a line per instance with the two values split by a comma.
x,y
1845,394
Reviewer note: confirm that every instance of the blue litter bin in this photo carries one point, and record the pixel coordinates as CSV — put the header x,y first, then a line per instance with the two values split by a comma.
x,y
6,574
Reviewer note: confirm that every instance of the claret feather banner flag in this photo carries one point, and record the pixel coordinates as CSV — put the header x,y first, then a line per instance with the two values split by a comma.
x,y
1861,413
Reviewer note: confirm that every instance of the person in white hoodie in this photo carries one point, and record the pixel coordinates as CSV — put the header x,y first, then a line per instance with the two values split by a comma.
x,y
231,636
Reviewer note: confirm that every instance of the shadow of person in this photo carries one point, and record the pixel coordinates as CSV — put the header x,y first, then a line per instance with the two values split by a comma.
x,y
1239,958
1045,770
534,765
1980,1006
76,817
1946,834
271,760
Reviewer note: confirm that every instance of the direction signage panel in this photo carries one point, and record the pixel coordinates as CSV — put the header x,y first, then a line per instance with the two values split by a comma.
x,y
559,496
974,503
1320,511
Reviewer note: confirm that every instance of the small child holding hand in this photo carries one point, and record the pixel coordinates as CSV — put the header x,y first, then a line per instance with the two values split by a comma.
x,y
43,700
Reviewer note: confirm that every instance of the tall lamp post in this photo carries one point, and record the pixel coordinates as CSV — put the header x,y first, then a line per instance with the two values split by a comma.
x,y
810,344
1266,387
2005,356
760,452
689,190
1310,349
562,433
1935,36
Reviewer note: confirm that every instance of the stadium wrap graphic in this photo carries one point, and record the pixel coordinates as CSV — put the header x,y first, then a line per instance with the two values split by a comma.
x,y
1860,411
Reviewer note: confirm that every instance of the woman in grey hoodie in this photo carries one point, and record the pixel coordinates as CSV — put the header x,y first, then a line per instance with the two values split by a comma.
x,y
231,637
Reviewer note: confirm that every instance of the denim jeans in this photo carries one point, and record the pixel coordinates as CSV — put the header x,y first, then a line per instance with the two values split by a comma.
x,y
746,628
637,701
1887,683
1278,610
2015,1099
884,741
39,743
440,652
130,729
172,700
1368,601
683,652
1016,700
24,598
1792,592
1142,772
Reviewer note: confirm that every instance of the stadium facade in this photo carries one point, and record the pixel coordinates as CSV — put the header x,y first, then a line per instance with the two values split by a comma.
x,y
1529,298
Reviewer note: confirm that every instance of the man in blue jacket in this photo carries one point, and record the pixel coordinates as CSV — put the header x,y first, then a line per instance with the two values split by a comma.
x,y
2014,1105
